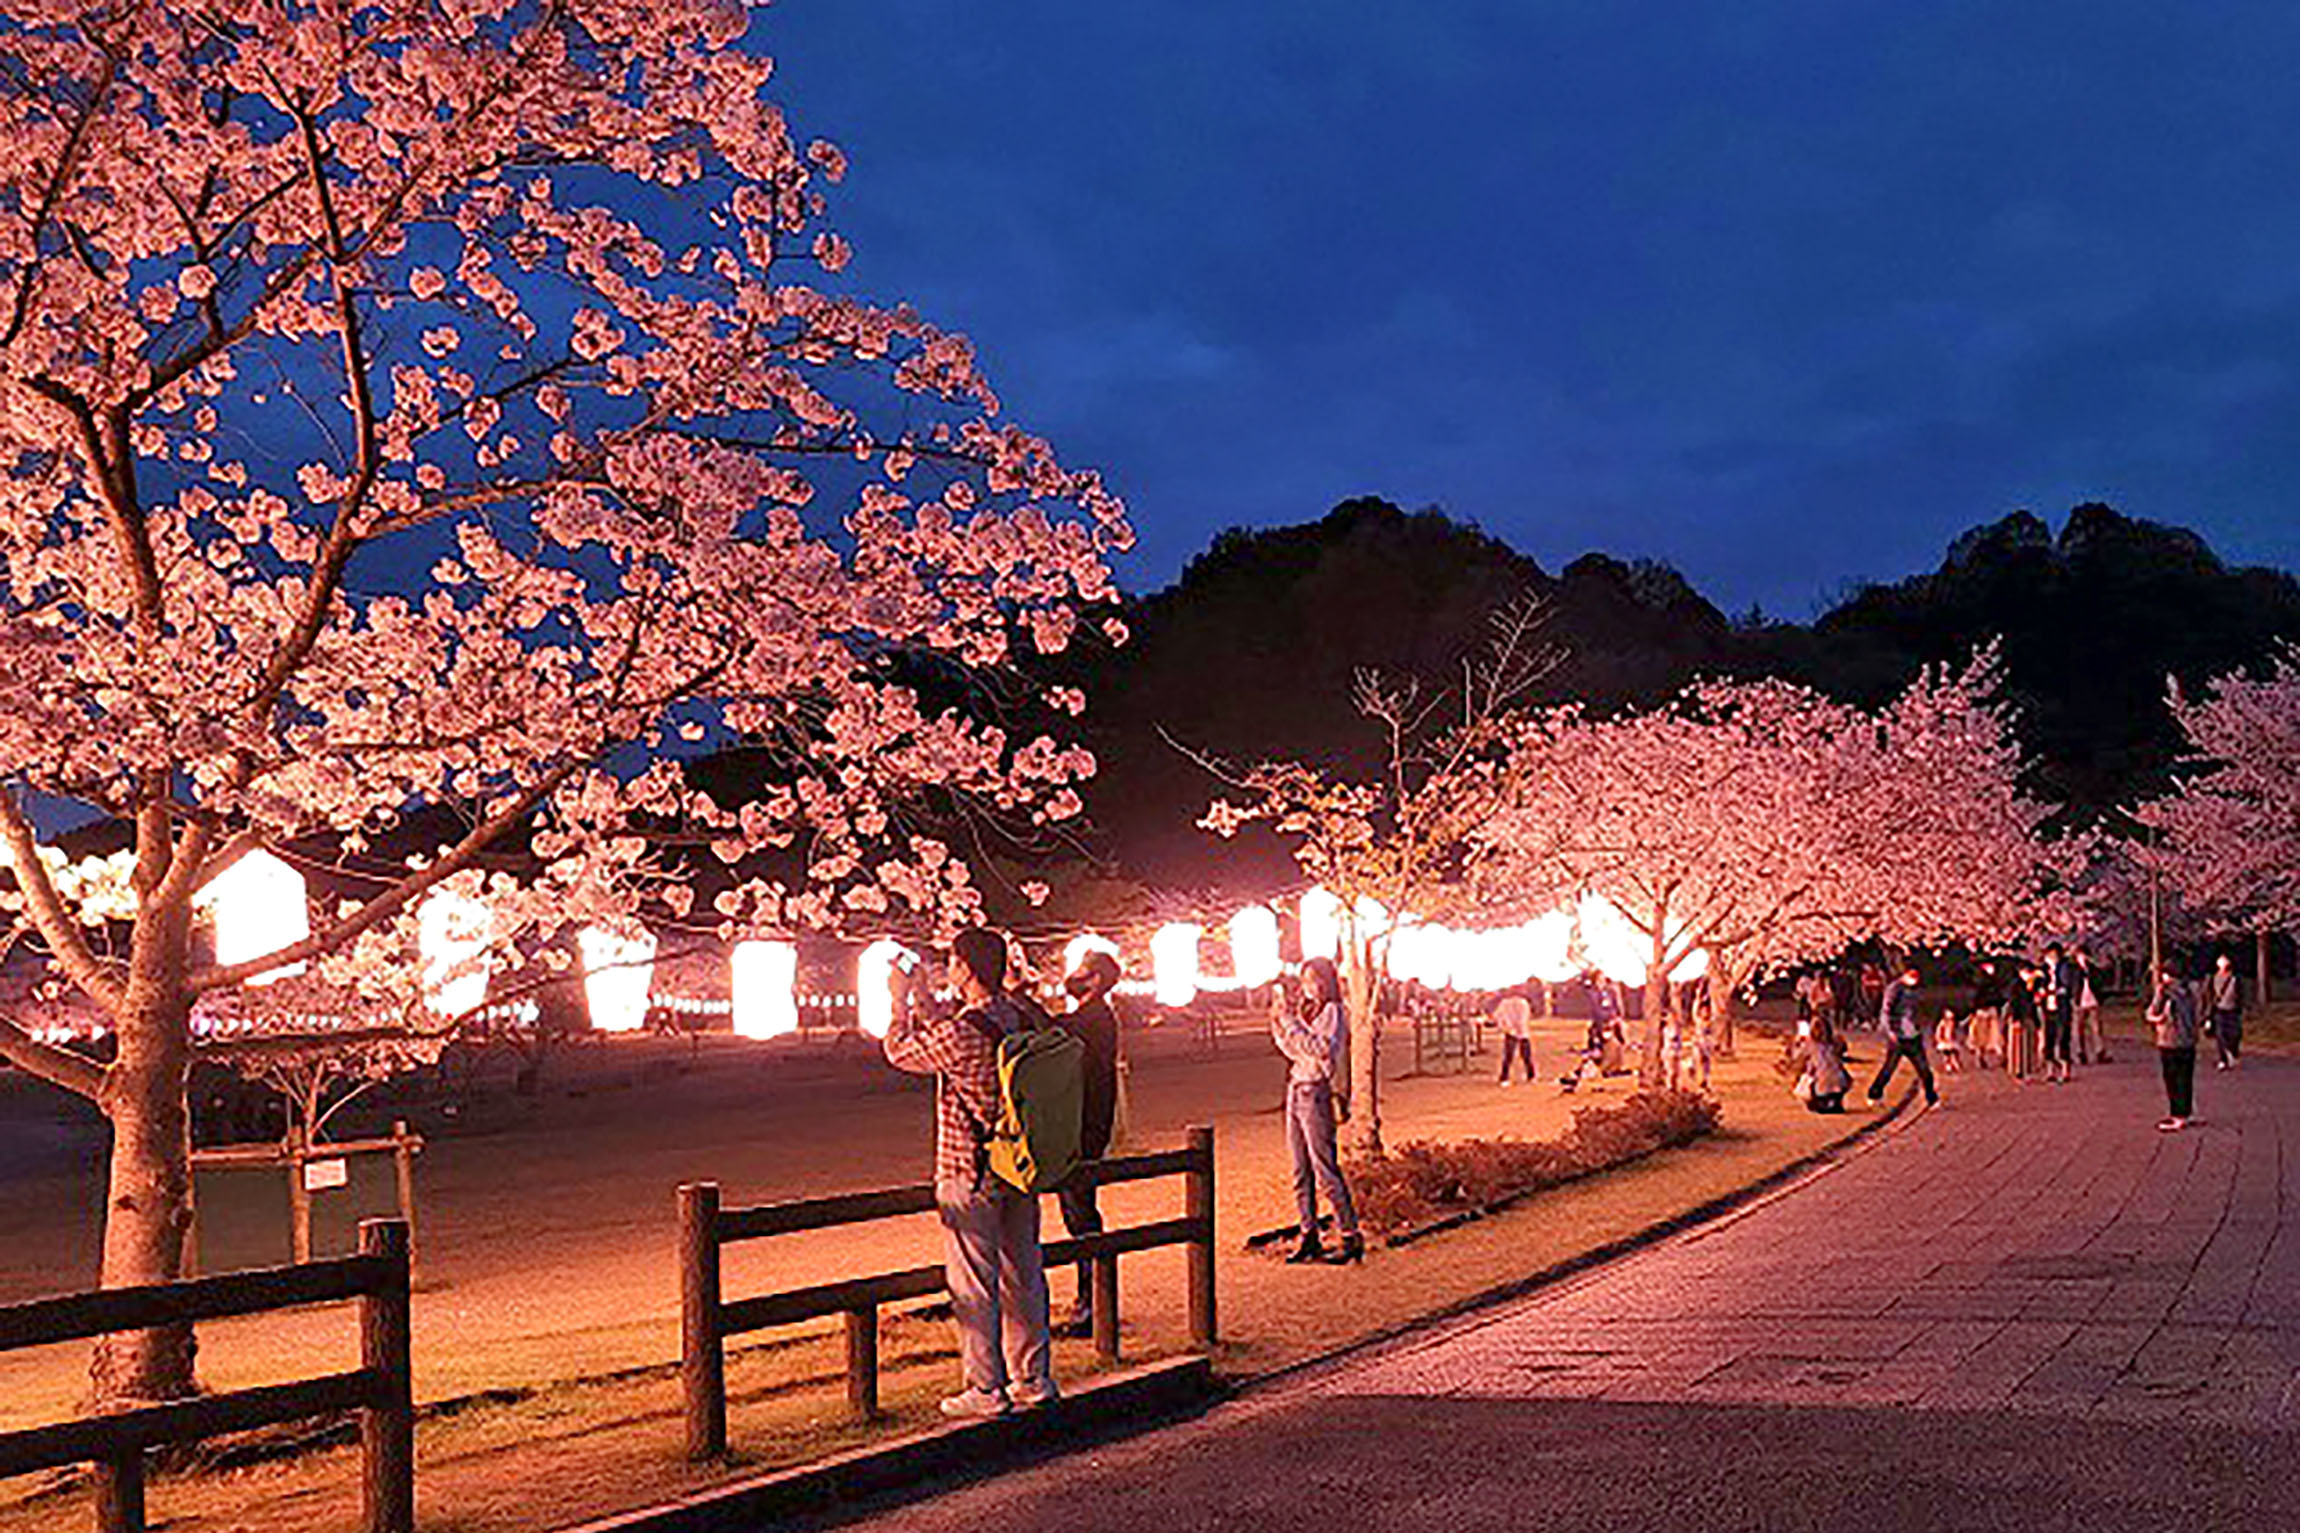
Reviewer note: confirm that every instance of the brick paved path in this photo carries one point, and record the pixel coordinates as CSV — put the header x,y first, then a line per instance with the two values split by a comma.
x,y
2039,1251
2030,1311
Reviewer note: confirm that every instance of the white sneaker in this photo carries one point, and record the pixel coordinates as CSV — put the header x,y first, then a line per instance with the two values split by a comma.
x,y
974,1405
1031,1397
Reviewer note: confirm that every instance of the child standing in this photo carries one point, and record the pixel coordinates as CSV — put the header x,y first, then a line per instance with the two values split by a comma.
x,y
1950,1047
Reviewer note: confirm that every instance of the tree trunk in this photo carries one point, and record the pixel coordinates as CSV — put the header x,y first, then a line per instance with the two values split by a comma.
x,y
2262,984
1363,989
148,1204
1649,1068
1723,988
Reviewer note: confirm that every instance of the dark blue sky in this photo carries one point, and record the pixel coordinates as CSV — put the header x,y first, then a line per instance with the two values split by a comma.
x,y
1785,293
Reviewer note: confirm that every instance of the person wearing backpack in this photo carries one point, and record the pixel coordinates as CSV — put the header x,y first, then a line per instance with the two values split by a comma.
x,y
1094,1023
1314,1037
991,1254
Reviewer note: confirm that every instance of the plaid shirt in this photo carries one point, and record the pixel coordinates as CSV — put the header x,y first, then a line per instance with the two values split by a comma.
x,y
958,1053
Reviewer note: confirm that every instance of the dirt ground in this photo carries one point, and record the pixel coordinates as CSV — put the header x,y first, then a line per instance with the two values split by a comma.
x,y
546,1314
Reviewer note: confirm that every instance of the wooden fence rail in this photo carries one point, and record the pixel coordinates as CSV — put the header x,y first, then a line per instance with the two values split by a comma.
x,y
707,1318
380,1389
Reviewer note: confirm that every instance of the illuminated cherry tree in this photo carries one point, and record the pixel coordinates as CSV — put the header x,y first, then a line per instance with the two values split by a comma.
x,y
417,405
1390,851
1753,825
2224,843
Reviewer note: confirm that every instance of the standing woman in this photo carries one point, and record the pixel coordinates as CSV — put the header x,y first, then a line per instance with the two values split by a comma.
x,y
1314,1038
2172,1011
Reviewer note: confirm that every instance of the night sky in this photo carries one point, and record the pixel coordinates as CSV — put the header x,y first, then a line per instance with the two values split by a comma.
x,y
1784,293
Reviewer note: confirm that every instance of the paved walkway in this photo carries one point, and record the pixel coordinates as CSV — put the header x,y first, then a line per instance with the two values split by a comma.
x,y
2030,1311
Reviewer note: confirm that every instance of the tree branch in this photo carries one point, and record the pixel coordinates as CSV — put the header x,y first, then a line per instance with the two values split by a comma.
x,y
76,1073
56,924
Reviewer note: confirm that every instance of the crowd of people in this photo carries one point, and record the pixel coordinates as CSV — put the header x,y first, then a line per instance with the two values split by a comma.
x,y
2041,1017
2030,1018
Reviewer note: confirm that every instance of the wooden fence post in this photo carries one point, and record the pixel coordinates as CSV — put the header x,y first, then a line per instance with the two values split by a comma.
x,y
1199,1205
403,1168
1105,1308
862,1362
702,1350
120,1494
387,1428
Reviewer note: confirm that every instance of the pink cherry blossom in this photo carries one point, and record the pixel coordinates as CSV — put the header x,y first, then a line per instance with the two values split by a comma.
x,y
608,490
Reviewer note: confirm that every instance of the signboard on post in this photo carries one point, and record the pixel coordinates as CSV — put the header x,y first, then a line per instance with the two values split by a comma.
x,y
320,1175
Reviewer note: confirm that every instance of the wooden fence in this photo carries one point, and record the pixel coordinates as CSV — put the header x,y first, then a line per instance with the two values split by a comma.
x,y
295,1157
706,1319
380,1389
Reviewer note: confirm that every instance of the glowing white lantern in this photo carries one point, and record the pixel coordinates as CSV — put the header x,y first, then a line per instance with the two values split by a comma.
x,y
1254,946
1613,947
1549,947
1371,919
618,977
1417,955
1321,924
1622,952
766,976
874,986
259,907
1174,963
1075,950
452,933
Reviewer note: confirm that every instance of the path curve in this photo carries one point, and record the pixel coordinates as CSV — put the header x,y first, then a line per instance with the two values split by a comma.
x,y
2030,1311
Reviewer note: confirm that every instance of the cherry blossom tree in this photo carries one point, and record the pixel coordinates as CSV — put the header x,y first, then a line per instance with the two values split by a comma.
x,y
1762,824
1391,850
2224,842
429,405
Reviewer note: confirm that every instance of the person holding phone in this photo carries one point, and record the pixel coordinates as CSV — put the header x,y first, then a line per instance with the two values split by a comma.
x,y
1313,1035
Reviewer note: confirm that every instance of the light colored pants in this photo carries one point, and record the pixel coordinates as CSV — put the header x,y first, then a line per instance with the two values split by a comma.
x,y
997,1276
1317,1162
2088,1042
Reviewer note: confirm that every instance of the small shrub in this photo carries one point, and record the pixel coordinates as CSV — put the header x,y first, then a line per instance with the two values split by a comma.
x,y
1422,1182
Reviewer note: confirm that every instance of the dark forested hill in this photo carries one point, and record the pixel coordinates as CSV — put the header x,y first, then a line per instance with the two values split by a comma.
x,y
2092,623
1250,654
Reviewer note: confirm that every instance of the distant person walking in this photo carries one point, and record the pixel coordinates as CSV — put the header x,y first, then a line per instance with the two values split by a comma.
x,y
1314,1037
1904,1034
991,1255
2091,979
2224,1012
2172,1012
1094,1023
1513,1016
2060,982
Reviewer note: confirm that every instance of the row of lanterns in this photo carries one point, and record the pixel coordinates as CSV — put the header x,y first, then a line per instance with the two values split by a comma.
x,y
259,907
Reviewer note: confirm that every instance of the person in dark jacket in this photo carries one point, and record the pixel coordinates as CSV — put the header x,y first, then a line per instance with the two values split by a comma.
x,y
2061,979
2224,1012
2023,1021
1904,1037
1093,1022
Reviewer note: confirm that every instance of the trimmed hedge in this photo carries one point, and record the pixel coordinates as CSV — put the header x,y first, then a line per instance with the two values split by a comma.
x,y
1422,1184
